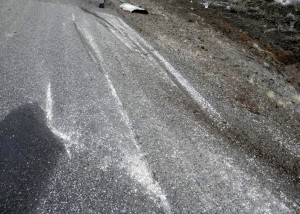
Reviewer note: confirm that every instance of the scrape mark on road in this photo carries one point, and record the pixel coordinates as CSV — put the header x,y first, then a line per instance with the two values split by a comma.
x,y
49,115
49,104
130,36
187,86
133,163
177,77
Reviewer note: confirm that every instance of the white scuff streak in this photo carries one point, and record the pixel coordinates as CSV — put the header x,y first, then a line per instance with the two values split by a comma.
x,y
276,134
128,45
194,94
134,164
49,104
121,34
187,86
49,116
134,37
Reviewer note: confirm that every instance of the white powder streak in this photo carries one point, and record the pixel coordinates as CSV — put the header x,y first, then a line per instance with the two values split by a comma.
x,y
134,164
201,101
193,93
49,104
49,116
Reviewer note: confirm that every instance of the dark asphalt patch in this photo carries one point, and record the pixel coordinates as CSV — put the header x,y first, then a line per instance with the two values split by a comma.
x,y
29,152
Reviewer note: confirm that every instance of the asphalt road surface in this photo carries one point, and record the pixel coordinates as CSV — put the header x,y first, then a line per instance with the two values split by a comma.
x,y
95,120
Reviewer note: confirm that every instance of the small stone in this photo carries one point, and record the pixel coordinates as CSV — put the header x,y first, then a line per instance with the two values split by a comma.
x,y
266,65
291,16
296,98
281,104
271,95
251,80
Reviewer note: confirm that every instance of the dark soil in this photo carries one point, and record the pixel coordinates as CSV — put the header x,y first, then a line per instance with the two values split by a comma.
x,y
269,29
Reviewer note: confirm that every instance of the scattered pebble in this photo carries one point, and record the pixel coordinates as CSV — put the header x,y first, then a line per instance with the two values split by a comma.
x,y
256,46
296,98
291,16
281,104
271,95
251,80
266,65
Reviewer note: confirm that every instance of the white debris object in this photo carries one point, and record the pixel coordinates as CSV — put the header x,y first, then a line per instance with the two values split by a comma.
x,y
287,2
133,9
206,4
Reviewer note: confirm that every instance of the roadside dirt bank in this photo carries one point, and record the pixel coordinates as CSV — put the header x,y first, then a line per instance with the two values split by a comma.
x,y
269,29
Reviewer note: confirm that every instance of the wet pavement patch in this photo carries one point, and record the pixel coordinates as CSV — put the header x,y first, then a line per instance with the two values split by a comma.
x,y
29,152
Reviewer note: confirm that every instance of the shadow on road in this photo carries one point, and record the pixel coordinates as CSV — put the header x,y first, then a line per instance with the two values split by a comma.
x,y
29,152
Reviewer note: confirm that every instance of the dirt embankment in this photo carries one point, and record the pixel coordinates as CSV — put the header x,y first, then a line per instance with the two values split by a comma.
x,y
269,29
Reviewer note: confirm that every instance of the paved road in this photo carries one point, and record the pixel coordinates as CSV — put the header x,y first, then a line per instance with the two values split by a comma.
x,y
94,120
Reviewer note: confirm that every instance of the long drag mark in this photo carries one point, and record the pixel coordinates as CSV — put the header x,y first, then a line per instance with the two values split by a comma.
x,y
133,163
132,39
49,104
49,116
176,77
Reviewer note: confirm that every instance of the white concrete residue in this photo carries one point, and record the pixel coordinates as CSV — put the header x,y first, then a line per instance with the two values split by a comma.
x,y
133,163
49,115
